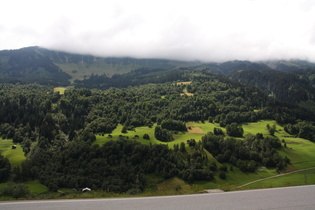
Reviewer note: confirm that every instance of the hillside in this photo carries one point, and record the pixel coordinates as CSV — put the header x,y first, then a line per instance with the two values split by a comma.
x,y
28,65
163,120
204,129
289,65
35,64
280,85
83,66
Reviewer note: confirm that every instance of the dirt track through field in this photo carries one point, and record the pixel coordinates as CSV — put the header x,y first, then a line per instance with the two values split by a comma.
x,y
292,172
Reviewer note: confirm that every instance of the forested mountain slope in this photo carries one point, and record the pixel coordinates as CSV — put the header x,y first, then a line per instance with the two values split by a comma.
x,y
28,65
36,64
83,66
57,132
280,85
290,65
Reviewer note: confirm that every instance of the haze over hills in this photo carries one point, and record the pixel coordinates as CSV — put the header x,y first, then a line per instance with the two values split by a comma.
x,y
288,80
80,66
30,65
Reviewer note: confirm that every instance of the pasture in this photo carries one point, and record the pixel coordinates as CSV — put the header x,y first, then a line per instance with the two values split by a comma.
x,y
196,132
300,178
15,156
184,83
62,90
130,135
300,151
35,187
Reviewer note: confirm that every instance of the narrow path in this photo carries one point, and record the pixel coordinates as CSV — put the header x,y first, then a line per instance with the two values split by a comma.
x,y
291,172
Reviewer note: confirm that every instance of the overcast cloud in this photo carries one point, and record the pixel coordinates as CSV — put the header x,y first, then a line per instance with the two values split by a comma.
x,y
209,30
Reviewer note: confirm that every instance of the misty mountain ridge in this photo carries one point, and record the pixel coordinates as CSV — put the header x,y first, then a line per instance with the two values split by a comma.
x,y
114,65
82,66
292,80
280,85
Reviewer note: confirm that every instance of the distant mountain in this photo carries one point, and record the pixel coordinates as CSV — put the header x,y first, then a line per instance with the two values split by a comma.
x,y
290,65
230,66
83,66
44,66
29,65
280,85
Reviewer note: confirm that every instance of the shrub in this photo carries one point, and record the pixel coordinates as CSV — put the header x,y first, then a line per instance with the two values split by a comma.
x,y
222,175
234,130
223,168
15,191
146,136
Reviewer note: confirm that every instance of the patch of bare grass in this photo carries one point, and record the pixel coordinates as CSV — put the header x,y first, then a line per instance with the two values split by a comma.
x,y
183,83
193,129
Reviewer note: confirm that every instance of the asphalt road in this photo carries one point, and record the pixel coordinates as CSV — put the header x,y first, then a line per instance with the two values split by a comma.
x,y
301,197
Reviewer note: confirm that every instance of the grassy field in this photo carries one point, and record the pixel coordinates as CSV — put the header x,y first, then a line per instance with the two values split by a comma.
x,y
234,179
259,127
61,90
35,187
300,178
300,151
196,132
184,83
140,131
171,186
15,156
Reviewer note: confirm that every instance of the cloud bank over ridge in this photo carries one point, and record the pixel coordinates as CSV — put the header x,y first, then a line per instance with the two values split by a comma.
x,y
212,30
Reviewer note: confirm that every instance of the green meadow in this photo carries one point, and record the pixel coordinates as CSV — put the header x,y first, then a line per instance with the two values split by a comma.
x,y
196,132
301,152
295,179
61,90
35,187
139,131
15,156
259,127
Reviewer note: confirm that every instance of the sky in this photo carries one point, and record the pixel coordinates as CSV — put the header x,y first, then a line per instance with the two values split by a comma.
x,y
205,30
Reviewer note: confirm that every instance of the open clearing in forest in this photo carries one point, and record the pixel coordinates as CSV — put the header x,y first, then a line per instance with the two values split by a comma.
x,y
194,129
185,92
61,90
184,83
136,134
15,156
